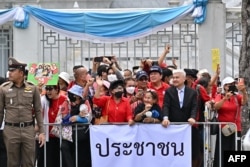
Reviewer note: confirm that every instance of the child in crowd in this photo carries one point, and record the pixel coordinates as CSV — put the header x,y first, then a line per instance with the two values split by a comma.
x,y
83,116
149,110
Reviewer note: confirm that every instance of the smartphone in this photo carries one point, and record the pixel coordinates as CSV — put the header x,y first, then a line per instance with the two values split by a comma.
x,y
98,59
109,57
155,63
232,88
241,81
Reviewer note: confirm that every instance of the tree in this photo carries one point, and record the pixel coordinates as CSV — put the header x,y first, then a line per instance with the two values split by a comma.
x,y
244,60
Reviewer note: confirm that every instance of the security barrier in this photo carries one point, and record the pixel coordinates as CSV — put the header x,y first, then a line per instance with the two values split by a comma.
x,y
208,139
75,127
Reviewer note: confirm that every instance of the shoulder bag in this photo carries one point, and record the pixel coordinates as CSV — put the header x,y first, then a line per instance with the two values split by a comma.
x,y
229,128
104,118
65,131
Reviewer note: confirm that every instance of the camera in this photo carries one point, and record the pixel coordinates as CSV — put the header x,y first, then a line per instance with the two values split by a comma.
x,y
233,89
97,112
155,63
98,59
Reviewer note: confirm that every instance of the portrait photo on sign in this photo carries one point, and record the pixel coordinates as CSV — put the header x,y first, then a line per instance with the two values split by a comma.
x,y
46,73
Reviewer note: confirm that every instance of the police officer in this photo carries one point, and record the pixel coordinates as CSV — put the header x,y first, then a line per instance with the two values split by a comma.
x,y
20,99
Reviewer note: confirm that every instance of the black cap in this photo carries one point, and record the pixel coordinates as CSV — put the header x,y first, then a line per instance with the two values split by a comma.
x,y
115,84
140,74
155,69
195,71
190,72
14,64
166,73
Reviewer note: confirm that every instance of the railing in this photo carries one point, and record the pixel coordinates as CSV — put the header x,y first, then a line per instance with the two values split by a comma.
x,y
207,138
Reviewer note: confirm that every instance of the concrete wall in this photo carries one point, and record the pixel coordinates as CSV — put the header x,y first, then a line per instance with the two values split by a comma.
x,y
89,4
25,43
212,35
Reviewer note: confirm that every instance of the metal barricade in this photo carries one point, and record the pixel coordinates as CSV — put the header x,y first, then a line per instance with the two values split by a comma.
x,y
76,126
208,140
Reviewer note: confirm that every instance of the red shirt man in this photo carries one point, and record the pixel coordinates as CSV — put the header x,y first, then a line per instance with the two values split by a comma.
x,y
156,84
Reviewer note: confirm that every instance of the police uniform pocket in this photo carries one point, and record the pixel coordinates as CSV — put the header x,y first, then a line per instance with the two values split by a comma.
x,y
27,98
11,98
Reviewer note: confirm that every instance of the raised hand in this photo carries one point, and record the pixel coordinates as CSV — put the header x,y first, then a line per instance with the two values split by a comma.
x,y
98,81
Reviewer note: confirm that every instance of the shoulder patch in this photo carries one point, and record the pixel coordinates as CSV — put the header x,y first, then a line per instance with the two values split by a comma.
x,y
5,83
30,83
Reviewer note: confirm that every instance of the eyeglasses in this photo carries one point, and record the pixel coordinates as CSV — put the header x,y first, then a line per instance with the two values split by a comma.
x,y
143,79
72,97
119,88
49,88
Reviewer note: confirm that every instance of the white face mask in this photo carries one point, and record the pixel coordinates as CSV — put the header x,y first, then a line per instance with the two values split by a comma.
x,y
112,77
130,89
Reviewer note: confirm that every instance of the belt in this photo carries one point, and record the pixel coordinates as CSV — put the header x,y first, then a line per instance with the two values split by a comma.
x,y
20,124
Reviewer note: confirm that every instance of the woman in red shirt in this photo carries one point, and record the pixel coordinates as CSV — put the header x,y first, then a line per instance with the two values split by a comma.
x,y
115,106
51,103
228,104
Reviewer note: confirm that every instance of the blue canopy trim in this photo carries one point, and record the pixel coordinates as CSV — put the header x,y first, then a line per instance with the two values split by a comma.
x,y
108,26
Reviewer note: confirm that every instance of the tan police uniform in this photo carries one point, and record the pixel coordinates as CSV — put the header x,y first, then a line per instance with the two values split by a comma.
x,y
19,104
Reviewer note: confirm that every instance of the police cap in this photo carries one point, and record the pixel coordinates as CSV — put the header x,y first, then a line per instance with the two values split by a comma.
x,y
14,64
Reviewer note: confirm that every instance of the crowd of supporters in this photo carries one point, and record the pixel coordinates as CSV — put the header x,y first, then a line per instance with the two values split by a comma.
x,y
143,94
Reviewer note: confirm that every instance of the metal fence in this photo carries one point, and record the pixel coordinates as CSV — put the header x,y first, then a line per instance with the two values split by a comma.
x,y
182,37
208,139
6,47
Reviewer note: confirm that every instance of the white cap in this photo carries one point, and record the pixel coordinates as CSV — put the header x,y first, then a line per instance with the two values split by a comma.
x,y
202,71
65,76
226,80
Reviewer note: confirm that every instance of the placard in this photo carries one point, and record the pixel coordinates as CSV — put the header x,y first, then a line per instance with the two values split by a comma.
x,y
46,73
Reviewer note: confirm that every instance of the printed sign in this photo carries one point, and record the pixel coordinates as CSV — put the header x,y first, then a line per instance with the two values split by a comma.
x,y
139,145
215,58
46,73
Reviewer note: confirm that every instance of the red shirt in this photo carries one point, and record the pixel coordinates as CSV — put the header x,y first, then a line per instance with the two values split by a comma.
x,y
160,91
117,112
228,110
203,97
54,108
203,92
71,84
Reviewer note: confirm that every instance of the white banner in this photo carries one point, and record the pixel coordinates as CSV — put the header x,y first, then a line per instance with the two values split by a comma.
x,y
141,145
